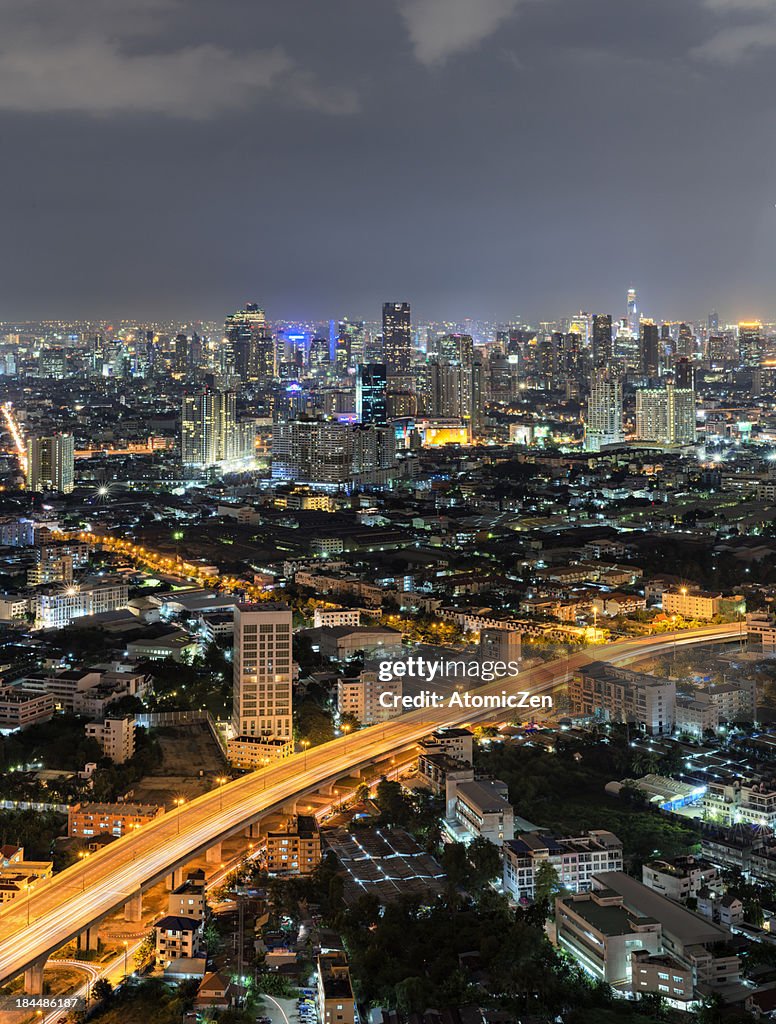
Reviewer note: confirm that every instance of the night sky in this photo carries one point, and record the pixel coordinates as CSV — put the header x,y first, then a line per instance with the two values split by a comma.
x,y
484,158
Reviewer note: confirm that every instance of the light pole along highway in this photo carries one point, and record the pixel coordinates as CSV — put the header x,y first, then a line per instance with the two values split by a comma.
x,y
73,902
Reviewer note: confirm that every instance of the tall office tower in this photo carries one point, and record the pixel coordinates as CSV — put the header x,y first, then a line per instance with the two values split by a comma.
x,y
211,434
632,313
684,374
649,349
262,669
319,353
450,389
666,415
750,342
716,351
503,373
456,348
602,340
371,388
350,336
685,343
712,323
604,411
181,361
478,395
51,463
397,338
250,348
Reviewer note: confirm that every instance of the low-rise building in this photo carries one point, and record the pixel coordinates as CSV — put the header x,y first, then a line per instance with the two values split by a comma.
x,y
295,848
680,878
109,819
253,752
622,695
177,937
177,645
116,737
188,899
360,698
701,604
661,974
575,859
482,808
21,707
336,1003
456,742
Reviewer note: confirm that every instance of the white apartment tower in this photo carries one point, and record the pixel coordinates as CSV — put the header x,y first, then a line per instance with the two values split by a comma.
x,y
604,411
262,672
51,463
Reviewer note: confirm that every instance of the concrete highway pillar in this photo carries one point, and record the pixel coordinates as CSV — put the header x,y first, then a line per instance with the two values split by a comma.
x,y
89,939
253,831
33,978
289,808
213,855
133,908
174,880
327,790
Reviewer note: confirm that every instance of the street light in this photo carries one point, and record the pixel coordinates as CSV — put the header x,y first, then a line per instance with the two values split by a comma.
x,y
125,959
305,745
222,780
179,802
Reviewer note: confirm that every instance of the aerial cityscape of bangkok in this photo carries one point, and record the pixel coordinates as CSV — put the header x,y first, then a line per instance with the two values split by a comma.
x,y
388,512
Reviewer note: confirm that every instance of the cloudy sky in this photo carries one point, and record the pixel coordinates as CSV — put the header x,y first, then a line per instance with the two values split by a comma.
x,y
487,158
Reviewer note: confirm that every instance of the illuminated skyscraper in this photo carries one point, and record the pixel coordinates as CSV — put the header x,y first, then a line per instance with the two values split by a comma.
x,y
397,338
210,432
602,340
666,415
249,351
371,386
51,463
604,411
750,342
649,349
632,313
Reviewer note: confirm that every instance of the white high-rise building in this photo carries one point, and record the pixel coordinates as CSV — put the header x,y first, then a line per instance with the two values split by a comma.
x,y
51,463
211,434
604,411
262,671
666,415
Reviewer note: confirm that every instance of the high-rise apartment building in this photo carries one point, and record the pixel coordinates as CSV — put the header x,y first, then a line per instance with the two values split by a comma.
x,y
328,453
371,387
397,338
262,672
666,415
604,411
51,463
211,434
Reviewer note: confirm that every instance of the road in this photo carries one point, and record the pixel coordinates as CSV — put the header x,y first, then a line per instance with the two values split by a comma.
x,y
63,906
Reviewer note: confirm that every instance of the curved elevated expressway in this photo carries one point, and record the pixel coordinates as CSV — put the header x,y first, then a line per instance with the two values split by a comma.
x,y
76,900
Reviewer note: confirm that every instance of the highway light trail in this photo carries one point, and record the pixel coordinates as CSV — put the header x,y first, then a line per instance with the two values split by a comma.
x,y
16,434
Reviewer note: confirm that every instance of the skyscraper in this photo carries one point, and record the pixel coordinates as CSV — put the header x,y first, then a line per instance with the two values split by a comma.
x,y
250,348
684,374
397,338
604,411
649,349
602,340
262,670
750,342
211,434
371,386
51,463
632,313
666,415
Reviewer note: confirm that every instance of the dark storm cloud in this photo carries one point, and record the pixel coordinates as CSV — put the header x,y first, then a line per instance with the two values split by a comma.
x,y
479,157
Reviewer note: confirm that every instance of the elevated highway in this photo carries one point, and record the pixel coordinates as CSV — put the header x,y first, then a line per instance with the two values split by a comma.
x,y
72,903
